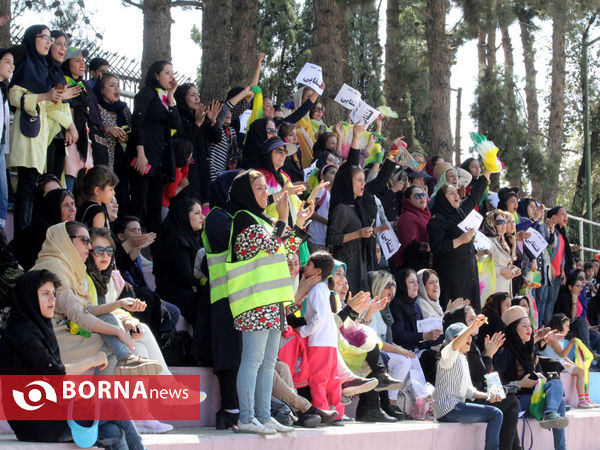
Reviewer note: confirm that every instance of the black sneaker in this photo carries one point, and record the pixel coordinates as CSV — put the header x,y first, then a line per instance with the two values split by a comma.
x,y
387,383
374,415
553,420
395,412
358,385
308,420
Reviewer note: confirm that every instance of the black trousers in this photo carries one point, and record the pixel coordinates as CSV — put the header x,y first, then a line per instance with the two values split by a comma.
x,y
26,186
146,199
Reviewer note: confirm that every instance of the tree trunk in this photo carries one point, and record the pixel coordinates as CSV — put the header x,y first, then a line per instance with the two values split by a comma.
x,y
244,49
482,68
533,151
396,96
157,32
557,105
512,150
329,52
5,29
216,62
440,56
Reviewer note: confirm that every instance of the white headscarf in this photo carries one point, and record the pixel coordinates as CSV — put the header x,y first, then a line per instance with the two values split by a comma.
x,y
429,307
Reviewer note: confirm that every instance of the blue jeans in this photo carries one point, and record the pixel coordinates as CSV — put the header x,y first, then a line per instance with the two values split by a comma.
x,y
113,342
554,403
541,299
174,312
3,190
551,299
472,413
255,375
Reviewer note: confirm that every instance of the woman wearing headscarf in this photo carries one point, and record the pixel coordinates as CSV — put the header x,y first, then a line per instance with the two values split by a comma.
x,y
495,305
198,126
78,331
226,340
411,230
150,147
32,86
406,312
258,132
429,295
455,176
29,347
259,313
57,206
177,244
517,363
480,364
495,228
453,250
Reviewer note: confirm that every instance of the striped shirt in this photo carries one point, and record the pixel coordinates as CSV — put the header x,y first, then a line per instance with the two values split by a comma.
x,y
221,151
452,381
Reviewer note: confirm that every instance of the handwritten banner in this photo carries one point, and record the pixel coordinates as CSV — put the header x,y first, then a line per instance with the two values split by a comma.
x,y
471,222
348,97
536,242
311,75
388,241
363,114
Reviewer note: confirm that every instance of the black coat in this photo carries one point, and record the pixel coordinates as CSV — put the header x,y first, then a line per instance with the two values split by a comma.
x,y
151,125
456,267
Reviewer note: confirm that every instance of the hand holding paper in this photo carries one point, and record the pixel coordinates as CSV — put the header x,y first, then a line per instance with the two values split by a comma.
x,y
311,75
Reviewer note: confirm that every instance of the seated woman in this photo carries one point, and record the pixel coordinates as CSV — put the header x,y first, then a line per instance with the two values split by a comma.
x,y
559,351
406,312
480,364
29,347
517,364
402,363
78,331
429,295
495,305
453,385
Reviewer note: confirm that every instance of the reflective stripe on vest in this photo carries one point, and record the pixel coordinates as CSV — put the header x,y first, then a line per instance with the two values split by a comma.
x,y
259,281
217,272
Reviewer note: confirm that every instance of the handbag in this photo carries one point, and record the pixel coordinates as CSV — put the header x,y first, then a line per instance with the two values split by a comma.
x,y
538,400
29,125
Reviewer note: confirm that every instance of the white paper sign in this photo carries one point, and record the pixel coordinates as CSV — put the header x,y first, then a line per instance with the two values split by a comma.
x,y
244,120
311,75
364,114
481,242
430,324
536,242
471,222
388,241
348,97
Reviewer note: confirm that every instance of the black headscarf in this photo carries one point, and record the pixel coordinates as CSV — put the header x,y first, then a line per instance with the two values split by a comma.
x,y
266,162
522,352
342,192
522,207
465,166
55,72
256,135
50,205
178,222
26,321
407,304
219,189
458,315
117,107
443,207
241,198
184,110
31,72
155,68
568,254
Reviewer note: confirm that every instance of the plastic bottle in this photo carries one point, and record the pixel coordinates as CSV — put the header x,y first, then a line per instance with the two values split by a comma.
x,y
419,411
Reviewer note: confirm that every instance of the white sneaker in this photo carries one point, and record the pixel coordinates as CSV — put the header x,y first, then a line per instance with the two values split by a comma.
x,y
152,427
254,427
274,425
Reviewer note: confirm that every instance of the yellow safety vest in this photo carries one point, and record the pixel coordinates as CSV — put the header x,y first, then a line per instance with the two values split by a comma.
x,y
259,281
217,272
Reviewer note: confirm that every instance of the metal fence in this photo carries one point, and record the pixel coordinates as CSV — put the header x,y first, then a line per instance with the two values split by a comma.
x,y
580,240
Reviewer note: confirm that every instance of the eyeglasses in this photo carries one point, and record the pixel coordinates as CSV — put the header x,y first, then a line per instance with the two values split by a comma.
x,y
419,195
501,222
318,109
84,239
47,38
99,251
271,131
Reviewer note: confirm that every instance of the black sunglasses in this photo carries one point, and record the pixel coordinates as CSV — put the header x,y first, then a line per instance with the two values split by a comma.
x,y
501,222
99,251
84,239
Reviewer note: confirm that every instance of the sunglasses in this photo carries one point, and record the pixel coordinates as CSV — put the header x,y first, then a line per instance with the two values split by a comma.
x,y
501,222
391,285
47,38
99,251
279,151
271,130
84,239
419,195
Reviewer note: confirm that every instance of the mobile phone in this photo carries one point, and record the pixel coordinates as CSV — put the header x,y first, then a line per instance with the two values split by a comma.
x,y
129,303
146,170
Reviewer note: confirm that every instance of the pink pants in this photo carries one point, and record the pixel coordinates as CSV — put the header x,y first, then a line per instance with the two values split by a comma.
x,y
324,382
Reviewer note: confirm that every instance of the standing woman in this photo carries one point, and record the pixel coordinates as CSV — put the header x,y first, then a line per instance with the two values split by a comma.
x,y
453,250
150,148
32,91
259,313
348,229
495,229
411,230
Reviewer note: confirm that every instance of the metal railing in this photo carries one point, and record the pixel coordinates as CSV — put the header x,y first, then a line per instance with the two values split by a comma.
x,y
581,238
